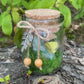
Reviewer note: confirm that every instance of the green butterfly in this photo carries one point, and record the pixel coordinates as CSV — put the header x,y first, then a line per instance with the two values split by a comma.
x,y
52,46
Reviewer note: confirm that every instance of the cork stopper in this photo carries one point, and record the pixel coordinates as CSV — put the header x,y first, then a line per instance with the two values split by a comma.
x,y
42,14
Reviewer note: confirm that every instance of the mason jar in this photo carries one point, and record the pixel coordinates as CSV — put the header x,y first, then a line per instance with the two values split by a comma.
x,y
45,28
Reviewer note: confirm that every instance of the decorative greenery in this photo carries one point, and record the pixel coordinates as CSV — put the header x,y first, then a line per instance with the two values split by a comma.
x,y
7,24
6,79
29,72
11,15
27,40
78,5
18,38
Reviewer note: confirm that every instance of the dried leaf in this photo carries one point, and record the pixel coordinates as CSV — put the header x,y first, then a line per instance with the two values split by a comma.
x,y
27,39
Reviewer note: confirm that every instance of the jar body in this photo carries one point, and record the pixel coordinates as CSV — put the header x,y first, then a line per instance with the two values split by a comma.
x,y
51,50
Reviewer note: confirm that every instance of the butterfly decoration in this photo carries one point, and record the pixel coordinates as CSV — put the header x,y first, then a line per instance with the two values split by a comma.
x,y
52,46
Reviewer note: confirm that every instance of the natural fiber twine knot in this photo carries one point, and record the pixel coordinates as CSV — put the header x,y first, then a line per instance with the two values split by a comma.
x,y
27,25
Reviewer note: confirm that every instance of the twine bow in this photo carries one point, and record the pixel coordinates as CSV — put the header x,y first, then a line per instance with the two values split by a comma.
x,y
31,27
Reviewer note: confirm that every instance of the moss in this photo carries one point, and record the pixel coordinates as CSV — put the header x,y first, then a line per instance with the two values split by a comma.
x,y
18,38
48,64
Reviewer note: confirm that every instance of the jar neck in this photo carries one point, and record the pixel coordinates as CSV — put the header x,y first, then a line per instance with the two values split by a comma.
x,y
44,22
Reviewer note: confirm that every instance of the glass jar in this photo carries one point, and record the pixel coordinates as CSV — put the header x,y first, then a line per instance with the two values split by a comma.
x,y
51,49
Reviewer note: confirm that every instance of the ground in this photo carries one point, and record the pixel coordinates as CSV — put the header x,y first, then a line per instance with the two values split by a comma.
x,y
71,71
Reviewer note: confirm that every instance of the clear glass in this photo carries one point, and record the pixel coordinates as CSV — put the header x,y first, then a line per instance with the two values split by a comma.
x,y
51,51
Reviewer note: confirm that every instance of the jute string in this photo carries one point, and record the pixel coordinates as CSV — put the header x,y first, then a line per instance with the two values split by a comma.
x,y
28,51
29,26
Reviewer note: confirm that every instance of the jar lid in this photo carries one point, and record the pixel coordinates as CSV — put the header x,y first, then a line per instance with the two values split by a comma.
x,y
42,14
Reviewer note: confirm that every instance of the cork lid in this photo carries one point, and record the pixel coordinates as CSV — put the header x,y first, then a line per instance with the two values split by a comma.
x,y
42,14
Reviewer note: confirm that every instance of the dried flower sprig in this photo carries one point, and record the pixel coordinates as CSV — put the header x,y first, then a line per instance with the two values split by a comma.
x,y
27,40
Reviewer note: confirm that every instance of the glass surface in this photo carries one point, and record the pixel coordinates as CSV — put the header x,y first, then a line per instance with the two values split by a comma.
x,y
51,51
